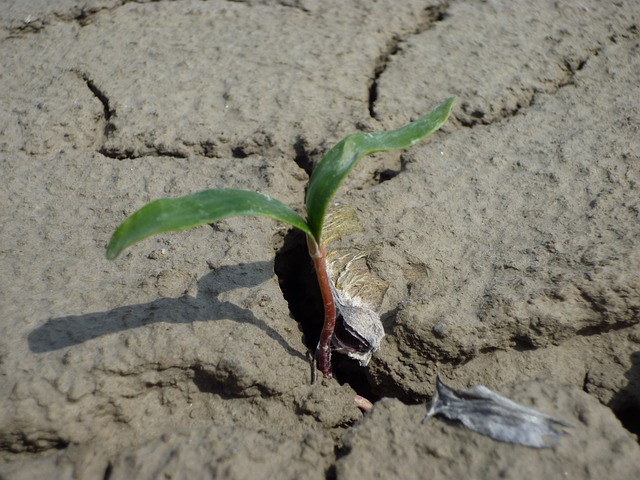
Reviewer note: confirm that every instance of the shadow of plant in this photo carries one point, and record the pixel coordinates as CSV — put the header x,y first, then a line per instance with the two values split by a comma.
x,y
62,332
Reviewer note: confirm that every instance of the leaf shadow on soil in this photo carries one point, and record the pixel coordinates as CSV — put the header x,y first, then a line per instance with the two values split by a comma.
x,y
62,332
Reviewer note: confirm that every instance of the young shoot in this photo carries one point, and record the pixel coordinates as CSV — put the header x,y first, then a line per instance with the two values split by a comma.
x,y
208,206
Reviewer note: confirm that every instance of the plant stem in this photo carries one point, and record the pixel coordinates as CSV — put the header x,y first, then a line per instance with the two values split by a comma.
x,y
323,351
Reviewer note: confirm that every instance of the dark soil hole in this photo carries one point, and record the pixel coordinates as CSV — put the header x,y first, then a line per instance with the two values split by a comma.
x,y
239,152
385,175
203,381
108,472
629,416
206,382
331,473
299,286
306,158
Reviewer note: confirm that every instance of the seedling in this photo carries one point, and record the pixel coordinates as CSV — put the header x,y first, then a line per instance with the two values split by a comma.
x,y
208,206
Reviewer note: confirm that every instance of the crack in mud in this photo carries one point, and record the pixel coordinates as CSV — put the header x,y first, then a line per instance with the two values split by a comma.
x,y
599,329
431,15
82,15
473,116
107,111
381,66
207,148
204,148
227,388
129,154
211,379
292,4
33,443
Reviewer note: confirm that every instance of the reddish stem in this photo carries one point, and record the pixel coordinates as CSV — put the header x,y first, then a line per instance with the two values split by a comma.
x,y
323,351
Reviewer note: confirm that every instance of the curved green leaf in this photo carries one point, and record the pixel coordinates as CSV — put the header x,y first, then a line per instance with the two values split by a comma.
x,y
343,157
199,208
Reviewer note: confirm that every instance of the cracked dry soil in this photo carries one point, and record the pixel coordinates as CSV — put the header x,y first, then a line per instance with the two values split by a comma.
x,y
509,239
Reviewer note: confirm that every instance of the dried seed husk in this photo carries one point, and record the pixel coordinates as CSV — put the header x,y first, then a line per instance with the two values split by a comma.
x,y
357,291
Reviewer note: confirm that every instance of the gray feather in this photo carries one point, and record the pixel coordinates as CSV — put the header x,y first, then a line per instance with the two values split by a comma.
x,y
483,411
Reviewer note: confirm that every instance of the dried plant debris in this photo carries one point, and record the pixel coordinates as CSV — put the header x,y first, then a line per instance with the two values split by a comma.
x,y
357,292
483,411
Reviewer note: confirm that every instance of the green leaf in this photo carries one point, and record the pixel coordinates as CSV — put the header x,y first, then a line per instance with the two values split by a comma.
x,y
342,158
199,208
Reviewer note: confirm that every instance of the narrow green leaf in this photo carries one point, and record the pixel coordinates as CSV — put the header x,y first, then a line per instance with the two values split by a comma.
x,y
343,157
199,208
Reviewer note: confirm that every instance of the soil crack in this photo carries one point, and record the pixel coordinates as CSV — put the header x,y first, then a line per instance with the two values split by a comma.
x,y
107,110
431,15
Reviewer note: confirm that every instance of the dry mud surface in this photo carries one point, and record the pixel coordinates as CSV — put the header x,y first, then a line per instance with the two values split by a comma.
x,y
510,240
